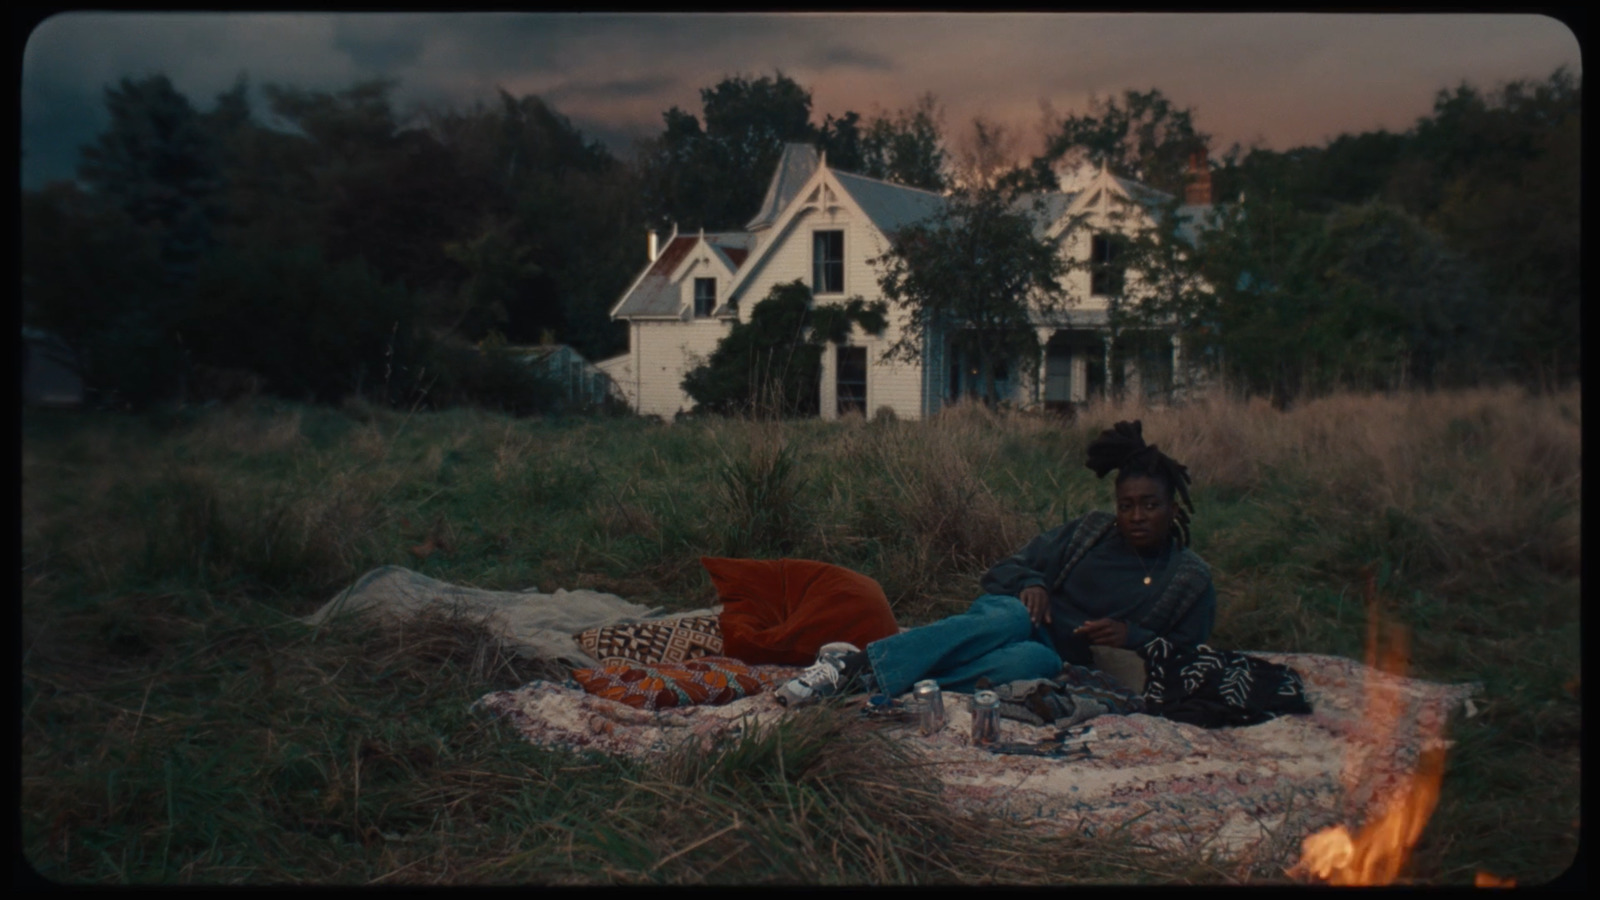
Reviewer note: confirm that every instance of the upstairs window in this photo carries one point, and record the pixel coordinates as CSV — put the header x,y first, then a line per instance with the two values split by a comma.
x,y
1105,272
705,297
827,262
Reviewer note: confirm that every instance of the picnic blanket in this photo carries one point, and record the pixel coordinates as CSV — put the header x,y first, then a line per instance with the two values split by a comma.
x,y
1249,794
533,624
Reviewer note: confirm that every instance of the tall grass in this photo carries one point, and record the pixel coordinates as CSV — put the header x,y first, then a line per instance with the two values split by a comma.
x,y
179,726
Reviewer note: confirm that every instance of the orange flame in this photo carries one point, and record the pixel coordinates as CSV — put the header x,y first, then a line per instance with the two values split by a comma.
x,y
1379,851
1489,879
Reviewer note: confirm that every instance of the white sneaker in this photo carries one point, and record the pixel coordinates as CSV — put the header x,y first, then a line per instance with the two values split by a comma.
x,y
825,677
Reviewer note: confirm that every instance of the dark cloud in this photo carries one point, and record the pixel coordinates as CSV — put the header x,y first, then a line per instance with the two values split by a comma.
x,y
381,51
626,88
851,58
619,138
1285,78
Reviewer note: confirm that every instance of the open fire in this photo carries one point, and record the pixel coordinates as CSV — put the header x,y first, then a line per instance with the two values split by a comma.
x,y
1377,853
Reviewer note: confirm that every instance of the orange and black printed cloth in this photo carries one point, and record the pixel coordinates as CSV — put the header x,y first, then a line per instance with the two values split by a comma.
x,y
653,642
709,681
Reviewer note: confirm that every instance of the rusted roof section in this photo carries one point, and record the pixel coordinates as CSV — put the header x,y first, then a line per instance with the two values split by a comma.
x,y
798,163
733,246
655,294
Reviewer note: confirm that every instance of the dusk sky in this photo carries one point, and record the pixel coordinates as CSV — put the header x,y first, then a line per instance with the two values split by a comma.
x,y
1281,80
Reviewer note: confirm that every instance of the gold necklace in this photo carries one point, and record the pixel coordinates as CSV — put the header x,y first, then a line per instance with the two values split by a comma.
x,y
1147,570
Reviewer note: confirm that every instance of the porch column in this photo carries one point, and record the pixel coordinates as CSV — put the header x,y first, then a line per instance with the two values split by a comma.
x,y
1044,334
1110,385
1178,379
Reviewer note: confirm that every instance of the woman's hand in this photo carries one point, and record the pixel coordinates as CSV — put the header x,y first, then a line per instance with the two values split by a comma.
x,y
1037,600
1105,632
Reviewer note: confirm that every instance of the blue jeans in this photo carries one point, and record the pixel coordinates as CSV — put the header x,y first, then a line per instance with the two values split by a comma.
x,y
994,638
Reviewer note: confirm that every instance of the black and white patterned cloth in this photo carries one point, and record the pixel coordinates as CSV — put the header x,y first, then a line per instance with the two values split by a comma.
x,y
1215,688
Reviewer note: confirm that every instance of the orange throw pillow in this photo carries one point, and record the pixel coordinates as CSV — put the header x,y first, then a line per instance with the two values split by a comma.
x,y
781,611
709,680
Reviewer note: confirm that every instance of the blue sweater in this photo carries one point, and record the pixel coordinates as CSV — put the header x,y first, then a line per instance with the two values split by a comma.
x,y
1107,583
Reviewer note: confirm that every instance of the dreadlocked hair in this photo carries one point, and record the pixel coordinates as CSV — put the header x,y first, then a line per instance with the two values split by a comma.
x,y
1122,447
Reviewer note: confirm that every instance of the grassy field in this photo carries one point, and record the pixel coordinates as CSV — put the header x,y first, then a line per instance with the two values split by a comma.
x,y
179,726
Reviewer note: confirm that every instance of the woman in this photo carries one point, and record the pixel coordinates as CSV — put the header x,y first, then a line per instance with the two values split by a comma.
x,y
1111,580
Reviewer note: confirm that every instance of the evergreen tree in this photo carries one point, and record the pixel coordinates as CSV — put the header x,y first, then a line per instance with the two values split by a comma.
x,y
159,163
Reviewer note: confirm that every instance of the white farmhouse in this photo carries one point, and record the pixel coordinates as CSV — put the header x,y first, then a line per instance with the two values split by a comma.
x,y
824,226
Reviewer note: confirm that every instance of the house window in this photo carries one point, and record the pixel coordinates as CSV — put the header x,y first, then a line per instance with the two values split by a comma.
x,y
852,379
827,262
705,297
1057,373
1105,272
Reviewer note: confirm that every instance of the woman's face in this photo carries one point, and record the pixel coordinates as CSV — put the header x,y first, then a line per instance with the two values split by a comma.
x,y
1144,512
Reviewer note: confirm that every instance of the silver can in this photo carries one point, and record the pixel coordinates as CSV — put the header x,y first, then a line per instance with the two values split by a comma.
x,y
985,717
930,705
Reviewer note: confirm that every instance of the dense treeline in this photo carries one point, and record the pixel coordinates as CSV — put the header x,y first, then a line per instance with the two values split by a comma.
x,y
1455,242
326,244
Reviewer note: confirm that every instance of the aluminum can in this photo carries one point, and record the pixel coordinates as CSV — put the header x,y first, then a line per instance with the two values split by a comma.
x,y
930,705
985,717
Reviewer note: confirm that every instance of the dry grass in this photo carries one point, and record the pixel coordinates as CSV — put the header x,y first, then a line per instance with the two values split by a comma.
x,y
177,727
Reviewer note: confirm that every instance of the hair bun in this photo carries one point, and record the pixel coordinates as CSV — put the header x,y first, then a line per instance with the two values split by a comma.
x,y
1115,446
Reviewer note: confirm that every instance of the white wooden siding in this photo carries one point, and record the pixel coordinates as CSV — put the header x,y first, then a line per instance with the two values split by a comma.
x,y
663,352
896,385
701,264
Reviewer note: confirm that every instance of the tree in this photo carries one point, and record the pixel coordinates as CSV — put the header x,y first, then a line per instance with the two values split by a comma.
x,y
1144,136
987,156
908,148
158,162
1498,175
773,363
714,178
1160,289
365,185
94,278
1363,297
314,329
973,274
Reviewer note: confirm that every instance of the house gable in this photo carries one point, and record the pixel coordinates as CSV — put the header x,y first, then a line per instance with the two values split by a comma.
x,y
795,168
869,210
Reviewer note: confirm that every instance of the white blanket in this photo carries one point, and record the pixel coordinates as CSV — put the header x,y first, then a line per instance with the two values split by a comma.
x,y
535,625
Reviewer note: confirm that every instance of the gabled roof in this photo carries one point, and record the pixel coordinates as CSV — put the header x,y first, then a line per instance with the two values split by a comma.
x,y
1052,205
655,296
1197,218
889,206
732,246
1140,192
886,205
795,167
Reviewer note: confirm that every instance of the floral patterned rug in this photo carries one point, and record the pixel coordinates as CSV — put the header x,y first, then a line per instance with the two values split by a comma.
x,y
1247,795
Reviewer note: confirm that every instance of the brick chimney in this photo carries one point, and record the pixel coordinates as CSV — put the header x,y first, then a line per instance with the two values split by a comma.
x,y
1197,192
